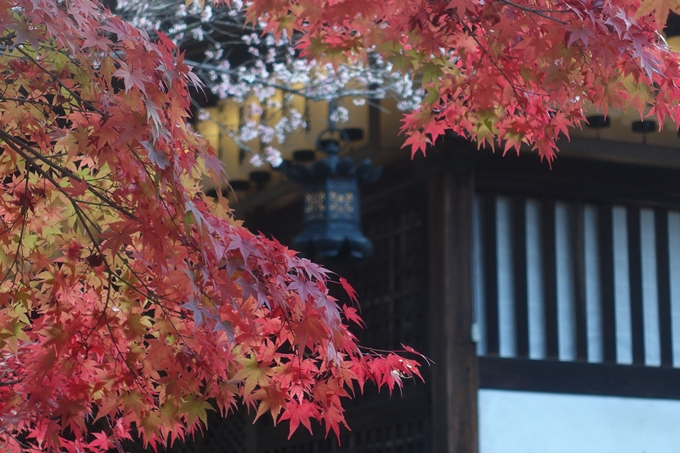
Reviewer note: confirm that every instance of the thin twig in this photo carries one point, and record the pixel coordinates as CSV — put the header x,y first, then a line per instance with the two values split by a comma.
x,y
16,143
85,102
538,12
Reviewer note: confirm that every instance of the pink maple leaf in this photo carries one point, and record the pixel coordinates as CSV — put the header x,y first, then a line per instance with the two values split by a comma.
x,y
132,78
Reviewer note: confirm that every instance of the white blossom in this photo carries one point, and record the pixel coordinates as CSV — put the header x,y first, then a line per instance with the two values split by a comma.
x,y
197,33
254,109
206,14
242,64
266,133
256,161
340,115
203,115
248,131
273,156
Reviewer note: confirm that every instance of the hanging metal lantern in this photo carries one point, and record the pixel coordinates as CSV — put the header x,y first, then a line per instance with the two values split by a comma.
x,y
332,212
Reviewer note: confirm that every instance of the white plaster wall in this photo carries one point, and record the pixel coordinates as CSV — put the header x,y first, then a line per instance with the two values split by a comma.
x,y
526,422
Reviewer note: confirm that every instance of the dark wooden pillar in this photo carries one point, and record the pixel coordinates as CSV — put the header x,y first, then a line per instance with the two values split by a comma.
x,y
454,374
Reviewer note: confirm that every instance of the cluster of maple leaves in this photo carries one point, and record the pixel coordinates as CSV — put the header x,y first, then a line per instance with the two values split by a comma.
x,y
515,72
130,302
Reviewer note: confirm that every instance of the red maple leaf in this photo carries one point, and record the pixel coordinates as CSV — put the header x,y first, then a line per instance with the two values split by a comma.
x,y
300,413
351,292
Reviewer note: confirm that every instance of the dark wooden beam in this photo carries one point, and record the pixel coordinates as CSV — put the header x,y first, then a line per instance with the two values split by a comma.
x,y
573,179
519,265
635,284
579,378
663,285
490,277
549,263
579,284
454,374
605,242
619,151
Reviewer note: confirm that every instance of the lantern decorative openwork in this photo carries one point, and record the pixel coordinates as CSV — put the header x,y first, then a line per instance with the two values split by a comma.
x,y
331,201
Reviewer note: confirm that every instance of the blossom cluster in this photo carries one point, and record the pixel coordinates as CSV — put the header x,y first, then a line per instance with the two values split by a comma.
x,y
237,61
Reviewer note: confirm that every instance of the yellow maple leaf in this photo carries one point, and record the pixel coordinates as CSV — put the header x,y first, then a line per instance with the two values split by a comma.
x,y
253,373
659,8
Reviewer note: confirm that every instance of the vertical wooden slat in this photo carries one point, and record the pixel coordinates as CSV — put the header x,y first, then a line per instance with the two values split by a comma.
x,y
519,265
635,283
663,286
579,283
549,277
605,242
489,247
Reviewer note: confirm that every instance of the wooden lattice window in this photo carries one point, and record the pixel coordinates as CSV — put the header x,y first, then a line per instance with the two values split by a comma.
x,y
222,435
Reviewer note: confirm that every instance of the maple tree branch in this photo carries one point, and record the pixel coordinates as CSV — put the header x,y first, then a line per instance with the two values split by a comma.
x,y
24,210
8,227
75,95
21,444
529,9
82,217
47,176
302,92
520,100
16,143
150,294
230,133
503,74
538,12
25,100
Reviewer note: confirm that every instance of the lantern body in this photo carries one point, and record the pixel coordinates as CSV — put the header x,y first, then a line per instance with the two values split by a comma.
x,y
332,219
332,215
